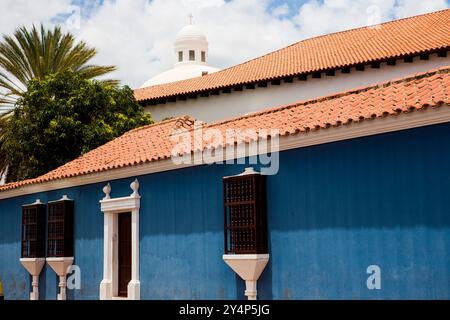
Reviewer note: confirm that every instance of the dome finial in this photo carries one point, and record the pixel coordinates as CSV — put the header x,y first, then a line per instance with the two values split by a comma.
x,y
191,56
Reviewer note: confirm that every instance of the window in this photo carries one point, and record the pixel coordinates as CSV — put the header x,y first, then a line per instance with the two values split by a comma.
x,y
191,55
60,229
180,56
245,214
33,231
203,56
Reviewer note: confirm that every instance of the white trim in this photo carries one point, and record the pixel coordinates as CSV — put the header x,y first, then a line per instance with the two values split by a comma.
x,y
32,260
38,201
59,259
246,256
63,198
248,171
415,119
111,208
120,204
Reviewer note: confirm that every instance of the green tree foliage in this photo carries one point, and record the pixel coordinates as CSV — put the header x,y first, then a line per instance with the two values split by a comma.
x,y
32,54
63,116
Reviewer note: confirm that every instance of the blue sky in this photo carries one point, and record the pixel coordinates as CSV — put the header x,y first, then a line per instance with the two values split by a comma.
x,y
137,35
293,4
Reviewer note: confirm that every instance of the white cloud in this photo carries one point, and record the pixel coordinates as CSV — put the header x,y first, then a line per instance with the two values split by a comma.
x,y
281,10
406,8
138,35
16,13
318,18
322,17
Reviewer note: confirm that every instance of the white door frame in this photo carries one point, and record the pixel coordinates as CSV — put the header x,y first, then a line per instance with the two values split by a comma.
x,y
111,208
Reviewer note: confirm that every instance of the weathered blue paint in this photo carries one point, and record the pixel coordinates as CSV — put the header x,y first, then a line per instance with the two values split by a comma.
x,y
333,210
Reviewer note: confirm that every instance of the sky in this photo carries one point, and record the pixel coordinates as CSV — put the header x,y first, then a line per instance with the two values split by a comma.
x,y
137,35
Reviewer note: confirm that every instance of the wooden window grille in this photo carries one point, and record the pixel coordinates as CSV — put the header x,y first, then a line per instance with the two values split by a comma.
x,y
245,216
60,229
33,231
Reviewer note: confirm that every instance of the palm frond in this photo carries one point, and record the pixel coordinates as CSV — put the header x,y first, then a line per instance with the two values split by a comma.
x,y
37,52
94,71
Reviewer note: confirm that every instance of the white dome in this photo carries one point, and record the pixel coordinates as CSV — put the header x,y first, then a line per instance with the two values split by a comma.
x,y
190,32
178,73
191,58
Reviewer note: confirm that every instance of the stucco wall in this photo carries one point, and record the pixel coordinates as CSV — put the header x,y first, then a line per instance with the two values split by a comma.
x,y
225,106
333,210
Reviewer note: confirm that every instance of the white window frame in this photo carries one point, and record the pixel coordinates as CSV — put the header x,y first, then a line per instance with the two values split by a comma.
x,y
111,208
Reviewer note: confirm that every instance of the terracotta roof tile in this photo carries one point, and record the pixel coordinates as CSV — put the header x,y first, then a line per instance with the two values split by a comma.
x,y
152,143
405,37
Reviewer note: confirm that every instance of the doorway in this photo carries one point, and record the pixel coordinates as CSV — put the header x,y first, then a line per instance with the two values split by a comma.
x,y
121,245
124,254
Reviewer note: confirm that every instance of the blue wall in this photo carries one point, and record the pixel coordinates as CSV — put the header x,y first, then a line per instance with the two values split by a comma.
x,y
333,210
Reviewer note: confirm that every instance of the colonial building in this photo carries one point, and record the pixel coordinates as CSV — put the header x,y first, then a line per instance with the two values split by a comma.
x,y
324,177
305,70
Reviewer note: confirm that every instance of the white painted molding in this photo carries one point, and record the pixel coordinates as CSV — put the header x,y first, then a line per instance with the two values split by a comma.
x,y
249,267
63,198
106,285
120,204
245,256
247,171
416,119
111,208
38,201
34,267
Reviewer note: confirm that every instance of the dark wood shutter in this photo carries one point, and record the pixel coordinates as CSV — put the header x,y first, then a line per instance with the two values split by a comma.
x,y
245,216
124,252
60,229
33,231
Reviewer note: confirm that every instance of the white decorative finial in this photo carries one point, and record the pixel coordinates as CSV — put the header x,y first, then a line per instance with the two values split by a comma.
x,y
191,17
135,187
107,191
248,171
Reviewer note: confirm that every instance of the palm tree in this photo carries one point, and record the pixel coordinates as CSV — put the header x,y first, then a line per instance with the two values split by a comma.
x,y
34,54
